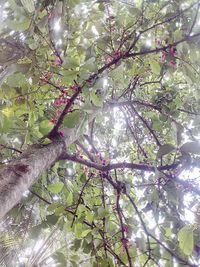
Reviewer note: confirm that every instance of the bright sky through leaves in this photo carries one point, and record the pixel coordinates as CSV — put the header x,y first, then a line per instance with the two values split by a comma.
x,y
118,82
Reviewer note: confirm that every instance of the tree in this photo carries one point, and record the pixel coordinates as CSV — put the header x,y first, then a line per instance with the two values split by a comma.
x,y
99,130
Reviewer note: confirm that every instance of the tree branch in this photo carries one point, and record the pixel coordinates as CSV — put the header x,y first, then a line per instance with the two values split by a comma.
x,y
157,50
121,165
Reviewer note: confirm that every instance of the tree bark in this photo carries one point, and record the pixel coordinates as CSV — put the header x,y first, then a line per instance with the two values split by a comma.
x,y
17,176
21,173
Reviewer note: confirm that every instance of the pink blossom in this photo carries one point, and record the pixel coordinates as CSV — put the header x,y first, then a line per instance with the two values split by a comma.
x,y
58,112
125,242
173,64
125,229
57,103
158,42
104,162
109,59
74,88
57,61
163,56
172,51
61,134
65,101
53,120
117,54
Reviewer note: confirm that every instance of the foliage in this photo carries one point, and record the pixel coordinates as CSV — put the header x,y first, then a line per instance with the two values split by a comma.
x,y
125,76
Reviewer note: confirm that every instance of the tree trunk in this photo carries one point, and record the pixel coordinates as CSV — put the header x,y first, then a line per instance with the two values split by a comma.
x,y
21,173
17,176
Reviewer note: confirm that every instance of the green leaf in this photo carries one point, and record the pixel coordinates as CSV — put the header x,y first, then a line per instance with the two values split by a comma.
x,y
83,177
168,232
96,100
85,233
70,62
18,25
46,141
28,5
77,244
155,66
89,34
72,119
78,230
68,76
55,188
90,64
60,210
35,231
172,194
169,259
102,212
73,264
191,147
53,206
186,241
177,35
164,150
138,3
89,217
70,199
52,219
60,258
45,127
17,79
87,247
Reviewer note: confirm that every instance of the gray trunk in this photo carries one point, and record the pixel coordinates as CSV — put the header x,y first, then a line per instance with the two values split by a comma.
x,y
18,176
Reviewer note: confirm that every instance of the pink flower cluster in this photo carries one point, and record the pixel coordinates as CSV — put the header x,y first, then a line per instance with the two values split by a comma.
x,y
63,100
57,61
114,56
125,243
169,56
44,79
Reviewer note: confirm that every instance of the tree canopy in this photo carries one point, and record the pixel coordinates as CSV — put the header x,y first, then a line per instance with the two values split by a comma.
x,y
100,122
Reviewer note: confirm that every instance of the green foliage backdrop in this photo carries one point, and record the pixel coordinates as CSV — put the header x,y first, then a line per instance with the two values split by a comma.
x,y
118,82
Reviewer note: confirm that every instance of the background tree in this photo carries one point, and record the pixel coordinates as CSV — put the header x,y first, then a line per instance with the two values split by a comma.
x,y
99,133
